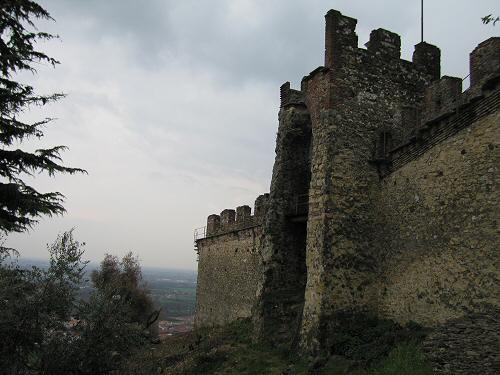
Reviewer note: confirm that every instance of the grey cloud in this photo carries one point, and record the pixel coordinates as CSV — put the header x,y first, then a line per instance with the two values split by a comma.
x,y
173,105
143,25
274,41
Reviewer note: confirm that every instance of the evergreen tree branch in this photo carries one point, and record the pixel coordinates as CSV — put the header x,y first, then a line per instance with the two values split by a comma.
x,y
21,204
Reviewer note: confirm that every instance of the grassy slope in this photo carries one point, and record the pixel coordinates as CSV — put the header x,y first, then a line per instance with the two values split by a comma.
x,y
230,350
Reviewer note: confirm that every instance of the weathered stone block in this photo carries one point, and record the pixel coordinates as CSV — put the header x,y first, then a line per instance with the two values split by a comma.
x,y
243,213
340,36
428,58
227,217
385,43
441,97
261,204
213,224
485,61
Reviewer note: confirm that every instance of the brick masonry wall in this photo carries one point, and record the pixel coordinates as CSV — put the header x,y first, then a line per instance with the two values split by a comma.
x,y
228,275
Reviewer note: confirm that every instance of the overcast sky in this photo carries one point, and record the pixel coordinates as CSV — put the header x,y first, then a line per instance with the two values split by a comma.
x,y
172,106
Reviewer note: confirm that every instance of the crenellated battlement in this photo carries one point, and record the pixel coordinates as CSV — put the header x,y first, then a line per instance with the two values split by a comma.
x,y
290,96
231,220
444,96
341,40
445,109
447,122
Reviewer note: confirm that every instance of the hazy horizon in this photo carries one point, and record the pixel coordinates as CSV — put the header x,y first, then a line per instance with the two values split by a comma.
x,y
23,260
172,107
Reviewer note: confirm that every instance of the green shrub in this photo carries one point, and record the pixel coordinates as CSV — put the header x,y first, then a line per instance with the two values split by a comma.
x,y
123,279
37,305
367,339
404,359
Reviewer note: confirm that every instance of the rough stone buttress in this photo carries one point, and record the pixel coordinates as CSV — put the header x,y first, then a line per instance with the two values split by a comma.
x,y
382,200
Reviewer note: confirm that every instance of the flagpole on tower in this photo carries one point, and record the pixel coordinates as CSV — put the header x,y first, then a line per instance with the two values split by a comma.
x,y
422,20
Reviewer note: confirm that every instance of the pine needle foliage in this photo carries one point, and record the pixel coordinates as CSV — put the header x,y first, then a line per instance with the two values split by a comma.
x,y
20,203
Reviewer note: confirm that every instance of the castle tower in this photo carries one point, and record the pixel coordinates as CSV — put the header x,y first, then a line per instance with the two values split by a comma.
x,y
344,104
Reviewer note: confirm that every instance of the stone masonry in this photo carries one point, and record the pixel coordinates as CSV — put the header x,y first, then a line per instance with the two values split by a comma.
x,y
382,200
229,267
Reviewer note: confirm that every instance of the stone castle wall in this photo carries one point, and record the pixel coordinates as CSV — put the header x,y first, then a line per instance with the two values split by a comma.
x,y
227,276
438,230
229,268
382,199
438,259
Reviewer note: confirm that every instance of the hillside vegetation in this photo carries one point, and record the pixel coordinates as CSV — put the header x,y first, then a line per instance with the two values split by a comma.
x,y
231,350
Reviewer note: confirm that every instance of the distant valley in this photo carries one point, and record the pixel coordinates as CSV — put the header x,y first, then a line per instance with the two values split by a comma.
x,y
173,290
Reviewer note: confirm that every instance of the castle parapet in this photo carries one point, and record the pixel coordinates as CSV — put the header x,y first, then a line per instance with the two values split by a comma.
x,y
341,40
445,123
485,61
231,220
445,109
384,42
290,96
428,58
340,35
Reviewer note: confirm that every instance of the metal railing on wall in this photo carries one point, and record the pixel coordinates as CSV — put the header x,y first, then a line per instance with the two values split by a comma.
x,y
200,233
